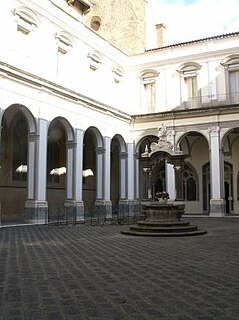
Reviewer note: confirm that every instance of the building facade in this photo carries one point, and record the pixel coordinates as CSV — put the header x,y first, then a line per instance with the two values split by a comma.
x,y
82,109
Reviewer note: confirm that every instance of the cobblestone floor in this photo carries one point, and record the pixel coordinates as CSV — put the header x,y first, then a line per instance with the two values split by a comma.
x,y
86,272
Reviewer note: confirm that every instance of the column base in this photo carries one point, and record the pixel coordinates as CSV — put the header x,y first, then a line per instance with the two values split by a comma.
x,y
217,208
74,211
103,209
129,209
36,212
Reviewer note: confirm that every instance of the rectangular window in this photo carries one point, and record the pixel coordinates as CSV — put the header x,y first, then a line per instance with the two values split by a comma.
x,y
192,89
150,96
234,86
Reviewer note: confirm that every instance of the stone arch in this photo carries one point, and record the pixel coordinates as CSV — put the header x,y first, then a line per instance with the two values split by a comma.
x,y
97,134
59,166
118,171
121,141
145,142
11,111
195,147
189,137
93,150
228,138
18,124
230,147
66,125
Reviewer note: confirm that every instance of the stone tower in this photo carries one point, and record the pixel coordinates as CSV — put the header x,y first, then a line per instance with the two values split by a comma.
x,y
122,23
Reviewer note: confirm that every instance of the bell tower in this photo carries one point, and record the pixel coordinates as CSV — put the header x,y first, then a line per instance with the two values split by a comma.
x,y
122,23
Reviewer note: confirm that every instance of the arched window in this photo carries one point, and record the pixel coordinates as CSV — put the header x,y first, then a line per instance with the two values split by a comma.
x,y
232,67
190,183
189,73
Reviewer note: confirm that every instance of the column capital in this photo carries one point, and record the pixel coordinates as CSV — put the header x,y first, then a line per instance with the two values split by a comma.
x,y
214,131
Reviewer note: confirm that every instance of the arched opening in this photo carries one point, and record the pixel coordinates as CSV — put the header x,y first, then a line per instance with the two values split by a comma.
x,y
17,123
56,170
117,172
196,192
230,148
91,148
159,178
144,169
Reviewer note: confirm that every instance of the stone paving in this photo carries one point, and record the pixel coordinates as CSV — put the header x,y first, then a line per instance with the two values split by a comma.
x,y
88,272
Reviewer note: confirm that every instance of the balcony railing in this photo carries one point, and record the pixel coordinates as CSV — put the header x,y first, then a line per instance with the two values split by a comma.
x,y
214,100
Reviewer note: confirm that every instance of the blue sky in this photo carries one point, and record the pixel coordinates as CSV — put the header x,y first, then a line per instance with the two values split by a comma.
x,y
194,19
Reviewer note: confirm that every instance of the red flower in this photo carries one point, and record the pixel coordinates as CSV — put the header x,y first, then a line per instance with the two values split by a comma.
x,y
161,195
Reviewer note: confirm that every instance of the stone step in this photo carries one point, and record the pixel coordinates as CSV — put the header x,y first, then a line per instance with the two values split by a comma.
x,y
164,234
162,223
170,229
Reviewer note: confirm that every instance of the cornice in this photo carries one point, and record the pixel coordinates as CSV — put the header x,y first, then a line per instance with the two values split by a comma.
x,y
21,76
186,113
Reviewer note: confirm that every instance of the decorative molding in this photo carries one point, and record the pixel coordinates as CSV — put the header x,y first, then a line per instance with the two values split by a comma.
x,y
95,59
118,73
26,19
149,76
64,41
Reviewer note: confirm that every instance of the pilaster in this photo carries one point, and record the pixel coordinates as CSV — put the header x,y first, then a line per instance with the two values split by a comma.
x,y
217,203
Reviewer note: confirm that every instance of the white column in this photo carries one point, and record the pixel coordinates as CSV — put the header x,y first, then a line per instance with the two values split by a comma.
x,y
103,205
170,181
41,159
74,205
69,170
99,172
36,205
170,172
31,165
78,165
123,176
131,168
106,176
217,203
137,177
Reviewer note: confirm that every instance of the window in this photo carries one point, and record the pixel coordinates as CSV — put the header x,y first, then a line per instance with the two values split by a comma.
x,y
80,5
190,183
189,73
148,79
232,67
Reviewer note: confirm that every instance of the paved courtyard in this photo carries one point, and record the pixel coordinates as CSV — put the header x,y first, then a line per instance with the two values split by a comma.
x,y
94,272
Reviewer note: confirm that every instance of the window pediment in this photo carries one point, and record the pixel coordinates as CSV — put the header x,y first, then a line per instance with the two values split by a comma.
x,y
64,41
149,76
189,69
27,20
95,59
232,63
118,74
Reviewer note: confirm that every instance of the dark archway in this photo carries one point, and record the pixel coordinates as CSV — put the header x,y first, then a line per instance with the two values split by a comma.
x,y
59,134
93,142
17,124
117,171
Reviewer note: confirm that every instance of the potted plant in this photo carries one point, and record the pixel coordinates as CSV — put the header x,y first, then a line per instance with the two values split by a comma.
x,y
162,196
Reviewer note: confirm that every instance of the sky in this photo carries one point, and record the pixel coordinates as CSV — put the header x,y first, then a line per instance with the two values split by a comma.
x,y
195,19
